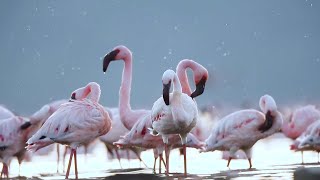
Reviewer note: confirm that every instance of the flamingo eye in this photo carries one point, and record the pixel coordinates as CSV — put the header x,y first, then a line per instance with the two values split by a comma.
x,y
42,137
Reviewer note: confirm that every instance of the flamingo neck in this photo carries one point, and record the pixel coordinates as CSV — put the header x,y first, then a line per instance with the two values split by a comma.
x,y
176,85
93,92
182,74
125,89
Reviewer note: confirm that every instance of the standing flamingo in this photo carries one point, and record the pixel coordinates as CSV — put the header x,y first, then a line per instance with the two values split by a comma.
x,y
174,113
74,123
306,141
298,123
242,129
138,121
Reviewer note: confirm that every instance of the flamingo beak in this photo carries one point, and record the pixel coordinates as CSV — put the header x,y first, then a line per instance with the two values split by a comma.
x,y
199,87
73,96
108,58
166,92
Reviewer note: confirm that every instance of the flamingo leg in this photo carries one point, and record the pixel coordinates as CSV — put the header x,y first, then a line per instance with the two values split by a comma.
x,y
161,157
118,157
302,157
138,156
154,164
167,158
229,160
160,165
75,162
64,157
318,156
86,153
185,159
69,165
58,155
5,171
250,164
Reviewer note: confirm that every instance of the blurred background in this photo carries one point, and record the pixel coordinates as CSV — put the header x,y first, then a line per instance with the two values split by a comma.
x,y
50,48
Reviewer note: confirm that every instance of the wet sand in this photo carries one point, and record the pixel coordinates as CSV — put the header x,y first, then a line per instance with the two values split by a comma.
x,y
272,159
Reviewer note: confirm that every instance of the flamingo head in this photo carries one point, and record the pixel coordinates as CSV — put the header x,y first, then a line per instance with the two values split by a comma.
x,y
119,52
200,80
35,142
267,103
167,77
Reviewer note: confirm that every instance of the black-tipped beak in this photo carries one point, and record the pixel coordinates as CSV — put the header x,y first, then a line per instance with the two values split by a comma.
x,y
199,87
166,92
25,125
108,58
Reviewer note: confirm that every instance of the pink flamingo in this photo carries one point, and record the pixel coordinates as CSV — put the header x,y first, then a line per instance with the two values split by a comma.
x,y
127,115
300,120
298,123
242,129
74,123
138,121
12,141
14,132
309,140
5,113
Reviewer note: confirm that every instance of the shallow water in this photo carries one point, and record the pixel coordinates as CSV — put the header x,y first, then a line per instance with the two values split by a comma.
x,y
272,159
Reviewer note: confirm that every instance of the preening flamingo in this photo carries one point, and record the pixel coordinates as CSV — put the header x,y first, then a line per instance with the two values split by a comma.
x,y
242,129
173,113
74,123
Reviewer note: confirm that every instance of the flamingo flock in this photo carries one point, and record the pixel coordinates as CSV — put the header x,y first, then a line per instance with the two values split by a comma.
x,y
172,122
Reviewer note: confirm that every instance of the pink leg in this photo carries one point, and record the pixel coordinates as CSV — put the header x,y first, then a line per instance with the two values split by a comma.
x,y
161,158
167,158
185,159
154,165
229,160
64,157
159,165
69,165
138,156
118,157
58,155
250,164
5,171
75,162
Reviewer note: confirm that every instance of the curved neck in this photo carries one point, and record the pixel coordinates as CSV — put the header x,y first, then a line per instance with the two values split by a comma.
x,y
93,92
176,84
182,74
276,125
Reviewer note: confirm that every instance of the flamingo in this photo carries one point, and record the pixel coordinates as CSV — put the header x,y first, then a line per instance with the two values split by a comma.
x,y
242,129
5,113
309,140
74,123
174,113
300,120
14,132
128,116
12,141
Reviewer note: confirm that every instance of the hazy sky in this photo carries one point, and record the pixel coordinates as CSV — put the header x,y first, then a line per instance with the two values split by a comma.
x,y
50,48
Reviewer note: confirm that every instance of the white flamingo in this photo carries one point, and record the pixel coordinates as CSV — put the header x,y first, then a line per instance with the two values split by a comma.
x,y
173,113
